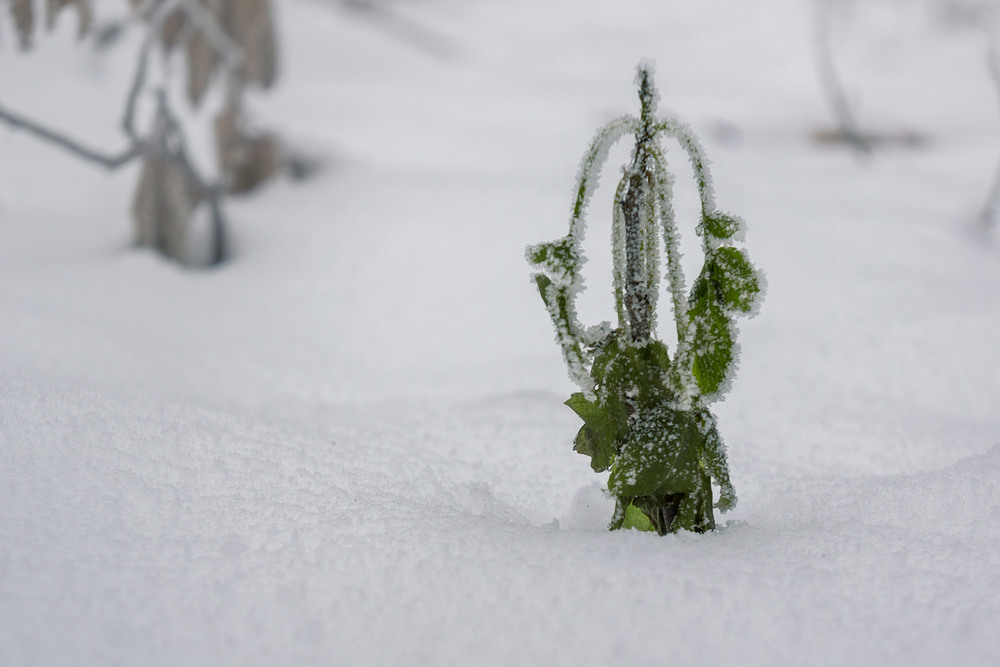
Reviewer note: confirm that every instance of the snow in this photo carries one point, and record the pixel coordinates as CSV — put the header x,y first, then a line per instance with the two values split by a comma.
x,y
348,446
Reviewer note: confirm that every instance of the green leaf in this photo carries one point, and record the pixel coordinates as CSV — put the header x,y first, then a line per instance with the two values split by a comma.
x,y
715,459
636,518
694,512
660,456
604,360
721,225
713,348
636,371
734,279
599,434
728,283
558,257
543,282
727,498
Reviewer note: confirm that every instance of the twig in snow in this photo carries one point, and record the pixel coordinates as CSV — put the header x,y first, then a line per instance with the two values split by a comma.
x,y
847,126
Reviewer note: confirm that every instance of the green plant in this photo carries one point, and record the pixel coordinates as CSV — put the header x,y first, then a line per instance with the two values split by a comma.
x,y
646,415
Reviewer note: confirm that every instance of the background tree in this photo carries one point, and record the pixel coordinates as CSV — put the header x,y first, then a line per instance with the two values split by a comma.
x,y
227,43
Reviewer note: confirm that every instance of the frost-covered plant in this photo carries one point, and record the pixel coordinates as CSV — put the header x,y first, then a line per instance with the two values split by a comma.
x,y
646,413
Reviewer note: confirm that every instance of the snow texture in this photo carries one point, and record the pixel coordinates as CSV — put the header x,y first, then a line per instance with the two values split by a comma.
x,y
348,446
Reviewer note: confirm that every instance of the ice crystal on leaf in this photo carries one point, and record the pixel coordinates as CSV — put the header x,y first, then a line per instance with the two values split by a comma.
x,y
645,414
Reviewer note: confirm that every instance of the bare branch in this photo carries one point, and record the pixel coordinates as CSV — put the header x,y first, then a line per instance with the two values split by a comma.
x,y
158,12
57,138
138,81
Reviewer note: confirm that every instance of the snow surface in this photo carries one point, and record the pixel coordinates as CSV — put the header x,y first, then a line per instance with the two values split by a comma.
x,y
348,446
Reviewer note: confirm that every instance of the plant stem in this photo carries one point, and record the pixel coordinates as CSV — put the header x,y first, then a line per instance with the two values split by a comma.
x,y
635,203
637,301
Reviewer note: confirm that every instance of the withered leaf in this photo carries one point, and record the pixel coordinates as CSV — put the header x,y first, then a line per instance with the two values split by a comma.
x,y
161,209
201,61
173,29
84,10
24,21
246,159
251,25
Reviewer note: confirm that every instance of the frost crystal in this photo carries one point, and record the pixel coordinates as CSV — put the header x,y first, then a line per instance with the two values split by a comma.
x,y
646,416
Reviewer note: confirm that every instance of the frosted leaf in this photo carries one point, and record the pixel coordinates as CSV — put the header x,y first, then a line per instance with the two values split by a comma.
x,y
734,278
714,349
660,457
560,260
599,434
597,334
721,226
164,200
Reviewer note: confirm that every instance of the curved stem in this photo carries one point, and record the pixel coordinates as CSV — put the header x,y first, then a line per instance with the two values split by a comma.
x,y
590,170
671,243
696,155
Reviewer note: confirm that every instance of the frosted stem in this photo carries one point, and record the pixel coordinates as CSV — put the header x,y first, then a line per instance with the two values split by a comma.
x,y
635,208
671,243
637,300
618,253
590,170
696,155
